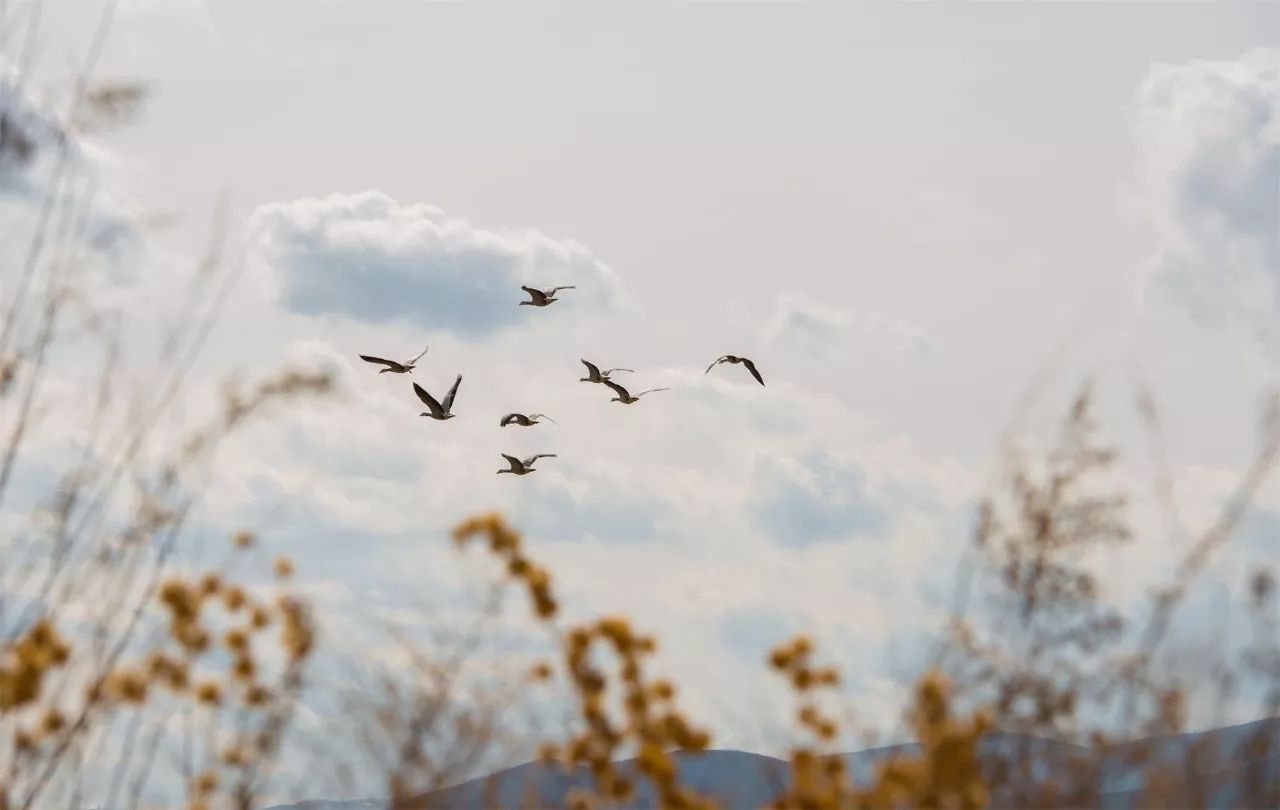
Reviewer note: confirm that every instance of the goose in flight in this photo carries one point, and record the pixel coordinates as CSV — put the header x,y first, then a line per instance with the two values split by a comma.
x,y
392,365
437,410
626,398
525,467
538,298
729,358
595,375
524,421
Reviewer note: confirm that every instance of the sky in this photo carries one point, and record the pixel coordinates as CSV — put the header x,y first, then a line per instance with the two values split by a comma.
x,y
904,213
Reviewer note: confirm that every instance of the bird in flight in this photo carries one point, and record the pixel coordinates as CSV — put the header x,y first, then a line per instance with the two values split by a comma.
x,y
729,358
625,397
524,421
435,409
538,298
392,365
525,467
595,375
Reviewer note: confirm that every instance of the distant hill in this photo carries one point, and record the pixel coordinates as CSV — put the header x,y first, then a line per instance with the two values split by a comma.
x,y
740,779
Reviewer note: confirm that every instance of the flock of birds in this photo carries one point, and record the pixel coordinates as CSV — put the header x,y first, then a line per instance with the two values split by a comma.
x,y
443,409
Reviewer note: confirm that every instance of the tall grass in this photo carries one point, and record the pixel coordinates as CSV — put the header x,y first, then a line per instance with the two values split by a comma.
x,y
125,672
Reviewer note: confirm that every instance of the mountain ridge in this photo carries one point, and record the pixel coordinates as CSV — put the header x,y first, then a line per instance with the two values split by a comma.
x,y
741,779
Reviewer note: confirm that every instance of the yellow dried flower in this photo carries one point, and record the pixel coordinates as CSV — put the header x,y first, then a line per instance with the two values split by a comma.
x,y
236,640
259,617
210,584
256,696
53,722
243,669
128,686
540,671
234,598
209,693
206,783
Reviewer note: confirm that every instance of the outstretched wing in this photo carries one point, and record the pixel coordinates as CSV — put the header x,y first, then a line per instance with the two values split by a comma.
x,y
508,419
516,466
718,361
592,368
448,400
427,399
752,368
419,356
536,416
388,363
536,295
528,462
610,371
622,392
555,290
651,390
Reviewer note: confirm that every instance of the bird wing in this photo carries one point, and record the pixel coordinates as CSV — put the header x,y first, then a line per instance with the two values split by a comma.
x,y
752,368
508,419
529,461
718,361
622,392
516,464
592,368
429,400
651,390
371,359
536,295
543,416
419,357
610,371
555,290
448,400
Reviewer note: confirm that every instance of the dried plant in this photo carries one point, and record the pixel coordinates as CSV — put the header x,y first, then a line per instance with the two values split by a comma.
x,y
121,666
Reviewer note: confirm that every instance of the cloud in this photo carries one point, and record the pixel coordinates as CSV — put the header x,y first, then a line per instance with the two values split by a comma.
x,y
601,510
370,258
816,498
816,326
44,159
1208,139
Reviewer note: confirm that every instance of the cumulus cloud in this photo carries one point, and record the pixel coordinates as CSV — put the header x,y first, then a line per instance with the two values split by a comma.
x,y
1208,138
44,157
370,258
813,325
816,498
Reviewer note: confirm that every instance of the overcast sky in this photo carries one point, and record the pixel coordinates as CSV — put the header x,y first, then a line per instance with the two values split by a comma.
x,y
900,211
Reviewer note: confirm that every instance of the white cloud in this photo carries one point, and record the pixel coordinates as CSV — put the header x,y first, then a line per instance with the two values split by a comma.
x,y
1208,138
370,258
817,326
46,160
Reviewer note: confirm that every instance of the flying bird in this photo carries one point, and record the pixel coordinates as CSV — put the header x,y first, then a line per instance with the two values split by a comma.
x,y
595,375
392,365
524,421
435,409
525,467
729,358
626,398
538,298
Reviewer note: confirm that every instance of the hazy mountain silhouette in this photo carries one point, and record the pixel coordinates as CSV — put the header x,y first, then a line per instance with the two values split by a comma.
x,y
740,779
